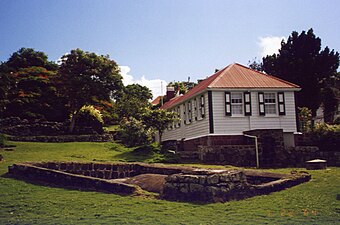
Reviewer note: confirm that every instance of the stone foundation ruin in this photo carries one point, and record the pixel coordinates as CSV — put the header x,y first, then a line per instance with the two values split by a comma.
x,y
170,182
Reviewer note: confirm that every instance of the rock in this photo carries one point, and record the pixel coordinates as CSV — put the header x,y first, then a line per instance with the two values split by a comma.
x,y
196,188
213,179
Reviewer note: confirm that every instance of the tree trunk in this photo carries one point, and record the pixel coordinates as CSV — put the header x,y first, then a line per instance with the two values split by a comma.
x,y
160,137
73,122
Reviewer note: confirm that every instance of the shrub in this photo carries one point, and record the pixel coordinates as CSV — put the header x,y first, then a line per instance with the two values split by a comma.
x,y
89,117
326,137
133,132
2,140
305,117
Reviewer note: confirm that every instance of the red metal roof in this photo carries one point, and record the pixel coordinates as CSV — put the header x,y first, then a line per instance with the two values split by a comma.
x,y
234,76
157,100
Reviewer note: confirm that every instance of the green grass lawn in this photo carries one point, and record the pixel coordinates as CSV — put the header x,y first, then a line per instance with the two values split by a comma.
x,y
313,202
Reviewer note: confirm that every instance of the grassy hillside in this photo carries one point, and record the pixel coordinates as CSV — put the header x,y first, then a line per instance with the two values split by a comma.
x,y
24,203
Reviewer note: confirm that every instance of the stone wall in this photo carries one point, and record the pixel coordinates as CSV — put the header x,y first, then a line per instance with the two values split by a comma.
x,y
64,179
181,183
205,188
109,170
64,138
23,127
17,127
191,145
238,155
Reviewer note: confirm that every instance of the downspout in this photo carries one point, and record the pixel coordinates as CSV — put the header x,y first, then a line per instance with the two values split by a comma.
x,y
256,149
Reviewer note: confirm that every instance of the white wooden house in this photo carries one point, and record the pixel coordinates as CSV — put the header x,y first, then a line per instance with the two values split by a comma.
x,y
231,101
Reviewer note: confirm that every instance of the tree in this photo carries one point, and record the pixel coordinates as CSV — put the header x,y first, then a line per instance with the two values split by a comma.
x,y
182,86
255,65
134,101
301,61
34,96
330,99
27,57
27,87
5,87
85,78
159,120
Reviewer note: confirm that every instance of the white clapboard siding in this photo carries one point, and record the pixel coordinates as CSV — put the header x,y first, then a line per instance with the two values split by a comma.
x,y
237,124
190,130
233,125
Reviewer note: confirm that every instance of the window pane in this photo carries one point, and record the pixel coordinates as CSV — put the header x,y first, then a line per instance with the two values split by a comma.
x,y
270,108
236,103
236,109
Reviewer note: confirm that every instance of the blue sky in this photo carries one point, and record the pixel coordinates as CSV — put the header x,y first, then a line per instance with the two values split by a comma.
x,y
164,40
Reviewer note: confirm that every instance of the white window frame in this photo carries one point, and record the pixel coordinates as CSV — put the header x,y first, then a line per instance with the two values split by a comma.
x,y
239,104
270,96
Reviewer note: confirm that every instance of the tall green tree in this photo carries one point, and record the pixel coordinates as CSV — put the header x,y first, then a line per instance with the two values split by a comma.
x,y
34,96
134,101
159,120
302,61
27,57
84,78
27,87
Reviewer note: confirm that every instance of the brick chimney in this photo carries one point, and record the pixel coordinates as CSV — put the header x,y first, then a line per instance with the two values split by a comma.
x,y
170,93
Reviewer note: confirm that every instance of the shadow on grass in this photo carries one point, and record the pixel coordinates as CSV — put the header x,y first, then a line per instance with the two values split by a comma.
x,y
56,184
147,153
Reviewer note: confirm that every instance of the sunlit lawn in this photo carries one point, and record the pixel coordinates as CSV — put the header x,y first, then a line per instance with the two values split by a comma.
x,y
24,203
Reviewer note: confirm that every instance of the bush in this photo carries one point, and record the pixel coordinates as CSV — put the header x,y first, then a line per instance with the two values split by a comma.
x,y
133,132
89,117
326,137
2,140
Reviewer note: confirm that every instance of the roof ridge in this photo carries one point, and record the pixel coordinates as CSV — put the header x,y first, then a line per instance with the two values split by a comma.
x,y
222,71
271,76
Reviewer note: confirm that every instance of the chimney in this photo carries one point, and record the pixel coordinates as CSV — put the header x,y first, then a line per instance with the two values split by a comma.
x,y
170,93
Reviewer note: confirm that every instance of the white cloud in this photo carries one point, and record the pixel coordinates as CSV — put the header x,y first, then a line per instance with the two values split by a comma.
x,y
157,86
269,45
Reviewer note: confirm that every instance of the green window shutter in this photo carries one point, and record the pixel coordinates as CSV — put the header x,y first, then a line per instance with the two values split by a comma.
x,y
281,101
227,103
247,104
261,104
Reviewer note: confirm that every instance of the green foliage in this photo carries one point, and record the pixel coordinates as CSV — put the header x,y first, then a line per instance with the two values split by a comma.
x,y
159,120
28,57
330,97
85,78
3,140
326,137
133,101
255,65
182,86
27,87
301,61
34,96
133,132
305,117
89,116
91,111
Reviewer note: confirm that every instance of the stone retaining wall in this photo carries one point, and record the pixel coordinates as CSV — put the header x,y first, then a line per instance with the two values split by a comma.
x,y
182,183
205,188
239,155
109,170
61,178
64,138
